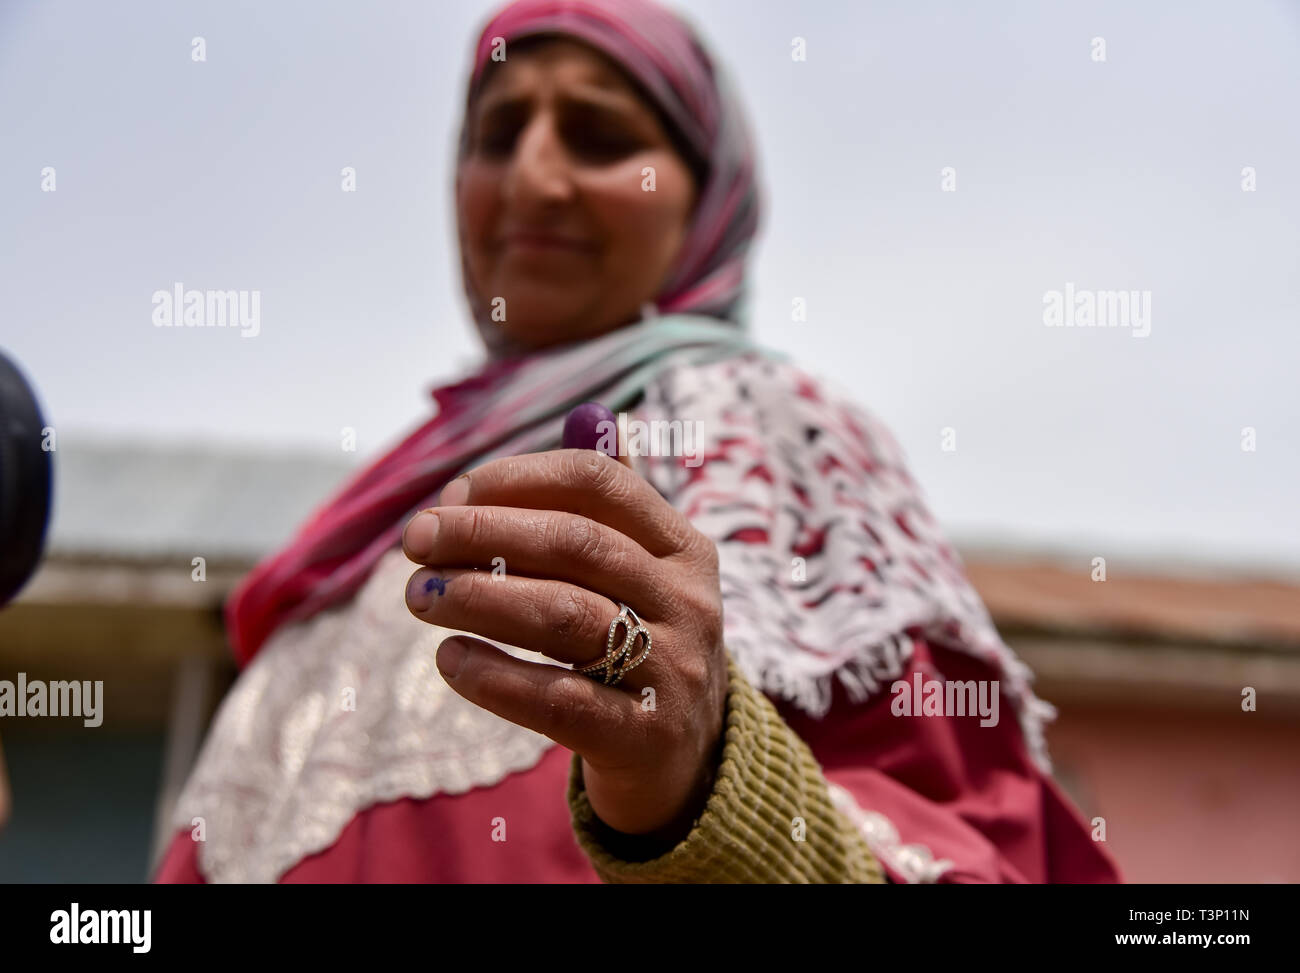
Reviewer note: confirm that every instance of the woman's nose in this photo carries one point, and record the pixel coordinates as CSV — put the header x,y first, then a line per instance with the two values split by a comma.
x,y
539,166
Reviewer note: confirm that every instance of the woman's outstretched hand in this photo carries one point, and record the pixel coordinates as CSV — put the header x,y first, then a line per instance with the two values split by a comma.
x,y
537,551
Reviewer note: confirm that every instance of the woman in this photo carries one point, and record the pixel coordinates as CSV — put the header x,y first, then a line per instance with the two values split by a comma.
x,y
607,200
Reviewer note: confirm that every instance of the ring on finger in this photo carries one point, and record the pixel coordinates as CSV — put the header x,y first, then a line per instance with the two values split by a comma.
x,y
618,660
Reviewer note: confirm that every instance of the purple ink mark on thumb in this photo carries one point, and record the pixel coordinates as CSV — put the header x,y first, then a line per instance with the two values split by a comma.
x,y
583,429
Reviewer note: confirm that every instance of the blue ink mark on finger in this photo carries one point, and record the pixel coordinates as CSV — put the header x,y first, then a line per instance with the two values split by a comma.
x,y
439,583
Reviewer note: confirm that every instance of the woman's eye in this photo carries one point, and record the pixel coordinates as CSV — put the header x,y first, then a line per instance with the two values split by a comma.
x,y
601,143
499,127
497,140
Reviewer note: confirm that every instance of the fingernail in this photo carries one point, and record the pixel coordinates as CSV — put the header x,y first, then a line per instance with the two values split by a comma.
x,y
420,533
423,587
451,655
454,493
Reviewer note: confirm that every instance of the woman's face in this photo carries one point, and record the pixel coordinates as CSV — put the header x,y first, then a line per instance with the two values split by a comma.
x,y
555,212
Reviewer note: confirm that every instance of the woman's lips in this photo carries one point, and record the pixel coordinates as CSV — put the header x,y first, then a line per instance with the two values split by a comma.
x,y
546,242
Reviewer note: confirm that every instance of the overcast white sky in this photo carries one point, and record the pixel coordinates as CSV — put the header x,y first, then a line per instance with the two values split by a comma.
x,y
928,305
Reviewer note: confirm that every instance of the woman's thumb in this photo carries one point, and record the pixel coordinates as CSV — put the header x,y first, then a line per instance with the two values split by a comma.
x,y
592,426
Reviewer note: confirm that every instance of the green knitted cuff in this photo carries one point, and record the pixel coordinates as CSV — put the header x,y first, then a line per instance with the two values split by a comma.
x,y
769,818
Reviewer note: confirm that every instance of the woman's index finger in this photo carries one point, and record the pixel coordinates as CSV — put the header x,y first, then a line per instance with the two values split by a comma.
x,y
584,482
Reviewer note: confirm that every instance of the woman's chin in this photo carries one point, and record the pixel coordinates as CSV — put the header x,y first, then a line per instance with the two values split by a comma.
x,y
556,327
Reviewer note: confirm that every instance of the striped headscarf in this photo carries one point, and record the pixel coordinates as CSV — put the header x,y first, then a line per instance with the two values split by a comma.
x,y
517,403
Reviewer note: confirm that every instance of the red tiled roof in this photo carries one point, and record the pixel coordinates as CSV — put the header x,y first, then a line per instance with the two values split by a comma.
x,y
1046,595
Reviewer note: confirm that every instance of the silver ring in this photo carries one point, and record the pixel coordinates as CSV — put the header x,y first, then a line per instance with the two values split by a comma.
x,y
614,666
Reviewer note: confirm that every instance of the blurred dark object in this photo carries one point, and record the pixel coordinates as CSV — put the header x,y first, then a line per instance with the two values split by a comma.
x,y
24,481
